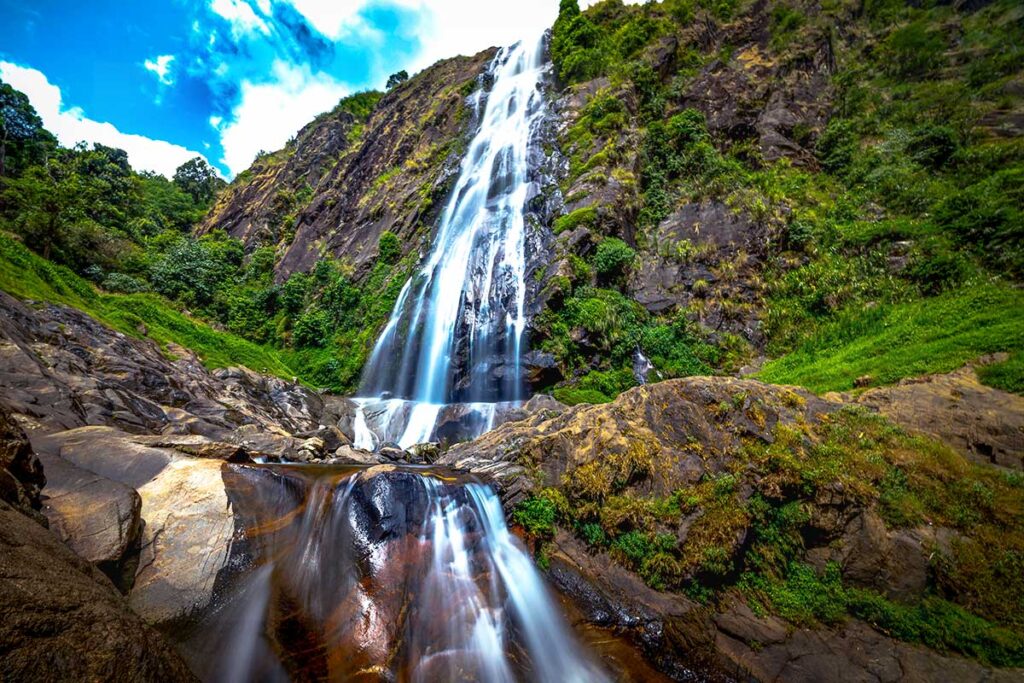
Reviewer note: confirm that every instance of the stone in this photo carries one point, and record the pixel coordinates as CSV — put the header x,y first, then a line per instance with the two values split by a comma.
x,y
985,424
348,454
185,542
21,473
64,621
100,519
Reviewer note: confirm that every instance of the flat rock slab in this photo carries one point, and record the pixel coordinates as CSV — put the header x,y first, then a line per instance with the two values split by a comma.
x,y
985,424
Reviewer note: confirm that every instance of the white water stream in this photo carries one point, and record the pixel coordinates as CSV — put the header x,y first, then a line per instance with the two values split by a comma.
x,y
456,331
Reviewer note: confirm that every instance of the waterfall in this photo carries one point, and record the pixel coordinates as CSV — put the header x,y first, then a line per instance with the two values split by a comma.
x,y
380,574
456,332
405,573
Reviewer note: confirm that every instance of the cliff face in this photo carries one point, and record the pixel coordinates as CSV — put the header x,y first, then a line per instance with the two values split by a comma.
x,y
363,168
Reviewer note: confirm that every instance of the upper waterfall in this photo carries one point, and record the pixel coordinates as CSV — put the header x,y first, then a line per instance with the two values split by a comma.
x,y
456,333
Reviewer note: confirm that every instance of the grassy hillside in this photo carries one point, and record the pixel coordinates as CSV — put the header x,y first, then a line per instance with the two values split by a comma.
x,y
28,276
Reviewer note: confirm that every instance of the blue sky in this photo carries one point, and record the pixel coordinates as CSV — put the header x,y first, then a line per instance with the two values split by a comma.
x,y
169,79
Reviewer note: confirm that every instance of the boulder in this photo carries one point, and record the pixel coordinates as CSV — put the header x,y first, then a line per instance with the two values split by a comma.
x,y
64,621
187,522
21,473
984,424
186,540
100,519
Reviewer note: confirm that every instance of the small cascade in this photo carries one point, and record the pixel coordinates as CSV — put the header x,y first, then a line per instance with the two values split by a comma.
x,y
380,574
456,332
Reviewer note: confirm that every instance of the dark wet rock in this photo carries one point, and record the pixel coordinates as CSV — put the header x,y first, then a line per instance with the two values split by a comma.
x,y
671,630
63,620
21,473
540,368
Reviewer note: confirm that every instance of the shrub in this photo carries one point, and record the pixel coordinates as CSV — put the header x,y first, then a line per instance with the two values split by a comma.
x,y
537,515
837,146
914,49
312,329
389,249
123,284
613,258
988,216
932,146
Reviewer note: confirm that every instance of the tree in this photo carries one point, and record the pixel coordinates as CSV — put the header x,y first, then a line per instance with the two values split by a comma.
x,y
398,78
198,179
49,209
23,140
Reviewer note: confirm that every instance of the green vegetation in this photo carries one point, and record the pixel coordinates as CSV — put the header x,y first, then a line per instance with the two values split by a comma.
x,y
92,218
749,525
613,259
901,257
583,216
890,342
29,276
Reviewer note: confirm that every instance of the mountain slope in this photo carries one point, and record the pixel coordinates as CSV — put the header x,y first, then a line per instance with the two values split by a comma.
x,y
374,163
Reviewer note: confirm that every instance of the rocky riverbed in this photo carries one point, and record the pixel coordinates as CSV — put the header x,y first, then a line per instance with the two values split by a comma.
x,y
117,518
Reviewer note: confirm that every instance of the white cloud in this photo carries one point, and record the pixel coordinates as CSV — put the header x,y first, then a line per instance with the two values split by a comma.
x,y
337,18
447,27
161,66
270,113
240,15
71,126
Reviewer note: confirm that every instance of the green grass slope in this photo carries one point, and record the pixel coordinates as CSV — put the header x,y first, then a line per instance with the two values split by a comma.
x,y
25,275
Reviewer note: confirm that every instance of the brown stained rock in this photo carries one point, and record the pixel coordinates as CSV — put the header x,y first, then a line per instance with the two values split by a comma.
x,y
98,518
62,620
984,424
671,630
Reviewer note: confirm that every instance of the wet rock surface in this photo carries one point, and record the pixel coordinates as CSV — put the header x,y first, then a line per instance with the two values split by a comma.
x,y
21,473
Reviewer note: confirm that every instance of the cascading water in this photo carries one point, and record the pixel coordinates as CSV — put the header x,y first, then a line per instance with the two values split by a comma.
x,y
404,574
380,574
456,332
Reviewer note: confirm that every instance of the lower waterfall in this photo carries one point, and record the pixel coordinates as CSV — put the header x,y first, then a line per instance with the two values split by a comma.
x,y
379,574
